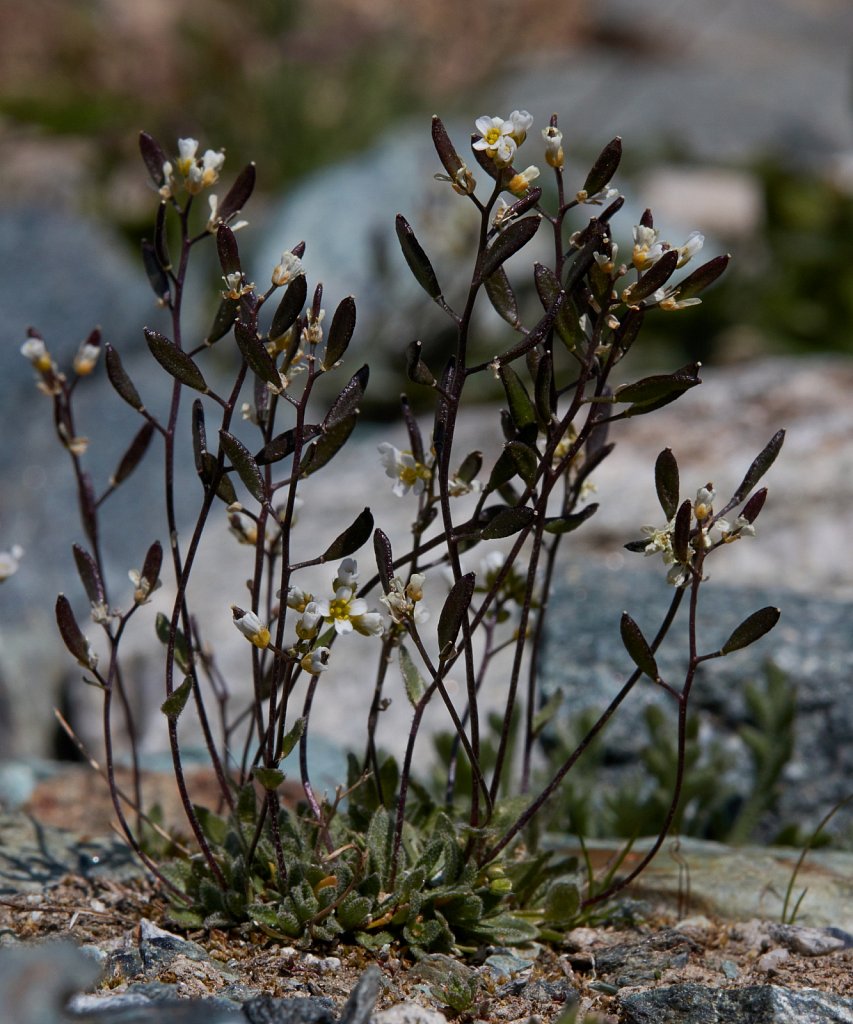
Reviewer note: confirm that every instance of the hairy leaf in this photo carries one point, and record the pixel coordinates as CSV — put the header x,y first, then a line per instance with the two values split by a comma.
x,y
174,361
666,482
751,629
637,646
416,258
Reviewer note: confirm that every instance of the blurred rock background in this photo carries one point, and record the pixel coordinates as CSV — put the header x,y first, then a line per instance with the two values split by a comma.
x,y
735,119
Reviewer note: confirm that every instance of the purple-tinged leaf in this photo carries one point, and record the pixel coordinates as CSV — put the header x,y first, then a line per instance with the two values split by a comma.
x,y
340,333
291,305
284,444
348,402
153,157
199,439
174,361
753,507
511,240
332,438
133,456
352,538
120,380
384,559
666,482
224,320
153,563
655,277
602,171
253,350
702,277
157,276
227,250
762,462
416,442
239,193
416,258
90,576
71,634
455,607
681,532
416,369
659,385
161,248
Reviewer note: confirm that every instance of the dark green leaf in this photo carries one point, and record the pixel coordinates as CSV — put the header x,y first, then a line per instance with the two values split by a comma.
x,y
269,778
412,680
416,258
666,482
508,242
293,736
502,297
120,380
161,247
508,522
565,524
455,607
132,457
543,390
562,902
521,408
174,361
751,629
416,369
526,459
628,330
330,442
534,337
175,703
636,645
90,576
659,385
602,171
153,563
182,654
470,467
255,353
243,461
352,538
340,332
502,472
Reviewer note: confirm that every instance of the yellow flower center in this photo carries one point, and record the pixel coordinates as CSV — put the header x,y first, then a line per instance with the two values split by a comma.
x,y
339,609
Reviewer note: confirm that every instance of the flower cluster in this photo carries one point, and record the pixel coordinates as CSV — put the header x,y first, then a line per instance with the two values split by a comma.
x,y
196,172
404,601
344,611
403,468
660,538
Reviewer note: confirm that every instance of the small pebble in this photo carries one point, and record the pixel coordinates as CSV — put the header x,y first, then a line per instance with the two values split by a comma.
x,y
769,962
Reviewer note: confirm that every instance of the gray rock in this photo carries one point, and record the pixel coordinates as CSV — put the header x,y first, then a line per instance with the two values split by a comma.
x,y
811,646
362,999
298,1010
36,980
756,1004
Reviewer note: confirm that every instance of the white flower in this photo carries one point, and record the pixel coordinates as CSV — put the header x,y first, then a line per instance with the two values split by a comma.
x,y
703,505
520,120
667,299
308,624
297,599
660,541
605,262
86,358
597,198
647,249
287,270
553,139
316,661
187,149
741,527
143,588
497,139
407,473
695,241
347,573
501,213
405,603
251,627
235,285
520,183
347,613
10,561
